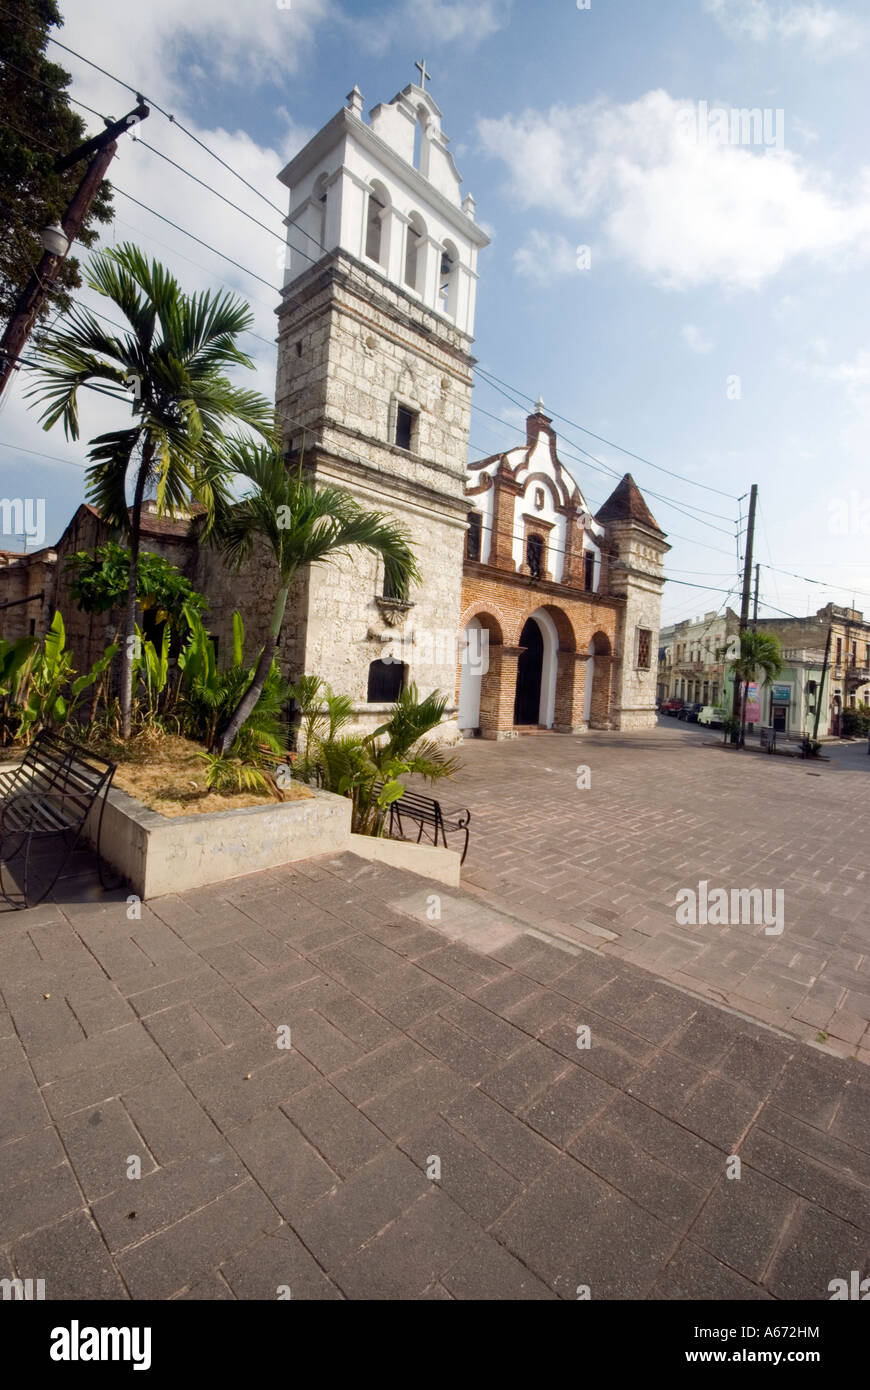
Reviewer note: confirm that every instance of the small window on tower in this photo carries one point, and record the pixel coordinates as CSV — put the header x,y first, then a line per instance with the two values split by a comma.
x,y
589,569
644,648
535,556
390,588
472,538
374,225
406,423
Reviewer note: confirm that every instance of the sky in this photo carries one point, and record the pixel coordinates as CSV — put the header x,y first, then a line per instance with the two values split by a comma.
x,y
689,286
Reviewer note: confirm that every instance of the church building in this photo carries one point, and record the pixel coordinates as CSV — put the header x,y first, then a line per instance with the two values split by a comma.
x,y
531,612
374,390
374,385
567,604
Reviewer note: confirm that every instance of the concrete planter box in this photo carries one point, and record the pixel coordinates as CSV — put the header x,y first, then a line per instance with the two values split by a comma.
x,y
169,854
162,854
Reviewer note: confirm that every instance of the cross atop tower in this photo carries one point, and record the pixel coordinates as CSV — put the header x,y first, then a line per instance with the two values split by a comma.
x,y
425,75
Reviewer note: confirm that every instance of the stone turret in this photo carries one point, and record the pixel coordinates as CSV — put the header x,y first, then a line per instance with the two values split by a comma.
x,y
636,547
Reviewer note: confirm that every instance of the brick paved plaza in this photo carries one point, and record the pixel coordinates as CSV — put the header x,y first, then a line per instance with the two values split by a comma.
x,y
450,1046
665,810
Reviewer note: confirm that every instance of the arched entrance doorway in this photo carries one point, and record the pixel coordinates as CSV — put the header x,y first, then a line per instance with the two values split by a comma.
x,y
530,675
480,668
471,676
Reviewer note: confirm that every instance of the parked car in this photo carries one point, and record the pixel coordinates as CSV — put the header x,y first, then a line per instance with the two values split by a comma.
x,y
671,706
712,716
690,712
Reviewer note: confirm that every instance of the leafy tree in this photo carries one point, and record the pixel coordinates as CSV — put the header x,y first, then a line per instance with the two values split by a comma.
x,y
36,124
760,654
16,659
303,524
174,356
98,581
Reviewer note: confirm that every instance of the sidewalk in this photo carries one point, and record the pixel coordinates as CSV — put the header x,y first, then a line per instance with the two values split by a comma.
x,y
418,1046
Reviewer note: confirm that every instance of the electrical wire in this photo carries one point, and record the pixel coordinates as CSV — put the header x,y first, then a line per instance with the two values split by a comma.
x,y
481,371
485,375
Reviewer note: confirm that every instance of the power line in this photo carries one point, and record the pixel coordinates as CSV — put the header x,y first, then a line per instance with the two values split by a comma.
x,y
609,442
203,184
590,461
487,376
140,232
181,168
678,506
197,239
49,87
55,458
821,583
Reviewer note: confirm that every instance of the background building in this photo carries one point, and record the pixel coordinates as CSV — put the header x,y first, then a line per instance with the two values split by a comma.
x,y
694,666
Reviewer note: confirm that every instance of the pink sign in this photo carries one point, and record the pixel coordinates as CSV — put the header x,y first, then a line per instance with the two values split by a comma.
x,y
753,704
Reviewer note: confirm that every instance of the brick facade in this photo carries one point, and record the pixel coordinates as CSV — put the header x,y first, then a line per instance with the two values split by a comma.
x,y
592,584
503,604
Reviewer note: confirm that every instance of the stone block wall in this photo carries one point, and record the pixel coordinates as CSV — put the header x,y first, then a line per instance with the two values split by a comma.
x,y
636,575
27,583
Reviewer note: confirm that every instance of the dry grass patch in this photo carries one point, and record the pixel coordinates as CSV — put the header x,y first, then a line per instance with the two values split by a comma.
x,y
166,774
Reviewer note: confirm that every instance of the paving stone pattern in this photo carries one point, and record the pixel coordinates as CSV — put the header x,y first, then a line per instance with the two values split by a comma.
x,y
419,1047
666,809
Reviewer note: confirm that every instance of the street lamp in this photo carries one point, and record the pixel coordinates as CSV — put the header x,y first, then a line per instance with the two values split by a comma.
x,y
54,240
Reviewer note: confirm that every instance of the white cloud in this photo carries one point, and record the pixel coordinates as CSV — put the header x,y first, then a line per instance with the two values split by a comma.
x,y
173,50
694,339
543,257
432,21
821,28
683,212
854,374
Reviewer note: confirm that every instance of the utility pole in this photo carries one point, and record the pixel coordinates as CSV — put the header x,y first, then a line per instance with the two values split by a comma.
x,y
100,151
744,602
755,599
821,692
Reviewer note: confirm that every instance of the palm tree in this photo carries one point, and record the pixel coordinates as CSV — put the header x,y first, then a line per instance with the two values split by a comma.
x,y
303,524
174,354
759,652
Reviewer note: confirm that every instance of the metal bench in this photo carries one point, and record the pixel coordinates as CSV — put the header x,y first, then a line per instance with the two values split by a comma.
x,y
50,793
427,814
423,811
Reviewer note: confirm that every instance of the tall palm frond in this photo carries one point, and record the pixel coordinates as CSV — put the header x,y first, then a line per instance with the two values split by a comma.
x,y
303,524
173,355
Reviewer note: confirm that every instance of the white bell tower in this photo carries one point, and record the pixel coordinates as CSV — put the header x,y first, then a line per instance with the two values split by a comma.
x,y
374,382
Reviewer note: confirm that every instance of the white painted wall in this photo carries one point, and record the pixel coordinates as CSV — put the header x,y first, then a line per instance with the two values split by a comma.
x,y
469,689
351,166
547,707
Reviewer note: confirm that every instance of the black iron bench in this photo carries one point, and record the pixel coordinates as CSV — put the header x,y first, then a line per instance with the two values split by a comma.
x,y
427,815
423,811
50,793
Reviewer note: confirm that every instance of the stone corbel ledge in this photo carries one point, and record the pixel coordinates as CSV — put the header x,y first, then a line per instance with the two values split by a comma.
x,y
394,611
